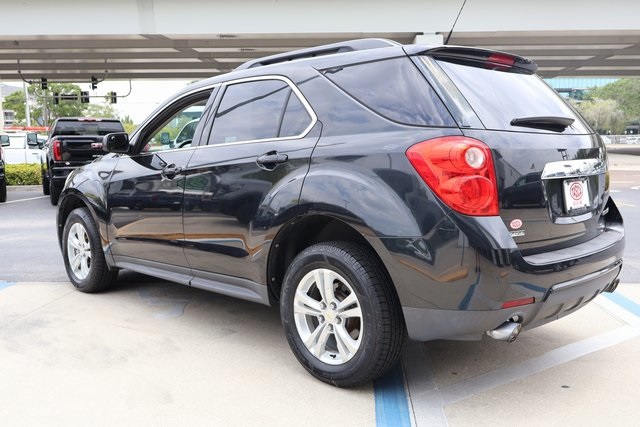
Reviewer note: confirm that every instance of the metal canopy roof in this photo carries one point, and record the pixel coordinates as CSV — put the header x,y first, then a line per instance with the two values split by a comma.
x,y
147,56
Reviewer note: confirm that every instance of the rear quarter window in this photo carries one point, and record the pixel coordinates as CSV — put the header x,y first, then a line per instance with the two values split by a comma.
x,y
395,89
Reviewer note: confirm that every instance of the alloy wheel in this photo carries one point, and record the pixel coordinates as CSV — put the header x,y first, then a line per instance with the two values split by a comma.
x,y
328,316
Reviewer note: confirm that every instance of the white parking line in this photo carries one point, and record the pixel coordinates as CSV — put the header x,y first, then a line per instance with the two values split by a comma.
x,y
24,200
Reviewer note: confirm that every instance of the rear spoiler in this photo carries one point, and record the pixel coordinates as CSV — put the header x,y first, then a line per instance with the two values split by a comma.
x,y
483,58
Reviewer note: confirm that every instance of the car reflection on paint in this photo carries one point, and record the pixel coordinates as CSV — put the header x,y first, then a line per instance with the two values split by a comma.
x,y
526,191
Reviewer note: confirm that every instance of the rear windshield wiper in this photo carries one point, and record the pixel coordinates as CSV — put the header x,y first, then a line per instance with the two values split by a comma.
x,y
552,123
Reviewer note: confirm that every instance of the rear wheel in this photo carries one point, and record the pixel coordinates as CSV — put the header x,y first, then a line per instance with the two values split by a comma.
x,y
45,184
82,252
3,190
340,314
54,192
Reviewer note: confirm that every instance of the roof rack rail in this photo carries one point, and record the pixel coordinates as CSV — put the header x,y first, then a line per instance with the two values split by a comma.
x,y
327,49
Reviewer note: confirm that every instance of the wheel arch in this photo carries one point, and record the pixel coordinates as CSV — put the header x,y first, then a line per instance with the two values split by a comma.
x,y
306,231
74,199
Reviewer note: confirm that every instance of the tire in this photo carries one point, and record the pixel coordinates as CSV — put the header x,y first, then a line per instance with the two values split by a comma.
x,y
54,192
82,252
349,343
45,184
3,191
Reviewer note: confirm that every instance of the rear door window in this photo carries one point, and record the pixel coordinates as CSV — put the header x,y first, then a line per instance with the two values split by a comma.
x,y
498,97
258,110
395,89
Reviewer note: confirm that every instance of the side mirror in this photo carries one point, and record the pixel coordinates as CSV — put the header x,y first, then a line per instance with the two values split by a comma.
x,y
32,140
4,139
116,143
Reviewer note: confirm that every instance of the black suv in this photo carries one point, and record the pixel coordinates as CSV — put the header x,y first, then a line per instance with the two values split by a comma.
x,y
359,186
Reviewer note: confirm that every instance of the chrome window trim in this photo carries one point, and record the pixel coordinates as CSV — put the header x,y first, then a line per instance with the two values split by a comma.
x,y
149,119
301,98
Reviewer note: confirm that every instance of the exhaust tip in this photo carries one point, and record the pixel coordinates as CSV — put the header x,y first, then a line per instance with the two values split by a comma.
x,y
508,331
612,286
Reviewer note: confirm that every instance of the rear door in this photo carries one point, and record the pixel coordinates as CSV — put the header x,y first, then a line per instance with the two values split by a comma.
x,y
246,181
550,166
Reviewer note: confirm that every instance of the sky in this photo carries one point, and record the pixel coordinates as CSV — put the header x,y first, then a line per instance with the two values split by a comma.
x,y
145,95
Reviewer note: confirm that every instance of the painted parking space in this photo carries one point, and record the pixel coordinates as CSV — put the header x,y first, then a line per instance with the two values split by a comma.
x,y
148,351
563,369
5,284
155,353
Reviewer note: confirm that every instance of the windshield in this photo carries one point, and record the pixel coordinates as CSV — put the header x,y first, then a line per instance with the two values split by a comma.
x,y
499,97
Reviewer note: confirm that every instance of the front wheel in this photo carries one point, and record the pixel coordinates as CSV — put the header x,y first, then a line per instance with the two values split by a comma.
x,y
341,316
82,252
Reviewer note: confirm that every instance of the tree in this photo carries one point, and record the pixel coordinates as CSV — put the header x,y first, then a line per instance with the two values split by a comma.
x,y
43,108
15,102
128,124
626,92
100,111
603,115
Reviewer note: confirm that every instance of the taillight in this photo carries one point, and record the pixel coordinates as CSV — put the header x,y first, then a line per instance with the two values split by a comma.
x,y
460,171
57,149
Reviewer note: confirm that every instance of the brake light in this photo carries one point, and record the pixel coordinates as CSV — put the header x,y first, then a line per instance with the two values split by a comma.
x,y
57,150
502,60
460,172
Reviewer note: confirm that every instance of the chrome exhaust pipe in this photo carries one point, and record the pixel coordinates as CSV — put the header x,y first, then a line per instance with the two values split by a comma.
x,y
612,287
508,331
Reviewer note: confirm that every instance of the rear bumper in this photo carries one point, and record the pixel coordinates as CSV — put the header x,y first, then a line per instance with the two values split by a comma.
x,y
560,300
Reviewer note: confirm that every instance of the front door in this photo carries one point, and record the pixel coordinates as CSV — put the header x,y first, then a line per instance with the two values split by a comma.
x,y
146,190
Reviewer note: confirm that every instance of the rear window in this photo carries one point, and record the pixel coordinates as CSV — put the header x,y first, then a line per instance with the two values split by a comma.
x,y
498,97
87,128
395,89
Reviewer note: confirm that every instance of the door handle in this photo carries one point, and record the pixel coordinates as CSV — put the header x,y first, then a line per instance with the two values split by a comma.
x,y
170,171
270,160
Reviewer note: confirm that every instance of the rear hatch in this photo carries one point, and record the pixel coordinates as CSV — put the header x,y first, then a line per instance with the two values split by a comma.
x,y
551,169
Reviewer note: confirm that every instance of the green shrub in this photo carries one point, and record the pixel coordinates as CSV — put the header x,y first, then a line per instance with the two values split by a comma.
x,y
23,174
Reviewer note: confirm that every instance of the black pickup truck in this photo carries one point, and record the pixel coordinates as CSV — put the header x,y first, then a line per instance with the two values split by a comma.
x,y
73,142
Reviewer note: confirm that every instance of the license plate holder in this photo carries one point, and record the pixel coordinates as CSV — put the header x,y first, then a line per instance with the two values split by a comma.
x,y
576,194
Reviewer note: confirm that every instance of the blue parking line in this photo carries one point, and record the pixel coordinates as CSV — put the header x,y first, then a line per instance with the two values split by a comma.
x,y
624,302
5,284
392,407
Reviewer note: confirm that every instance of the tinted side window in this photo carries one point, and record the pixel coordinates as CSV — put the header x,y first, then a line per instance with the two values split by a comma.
x,y
395,89
250,111
296,118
